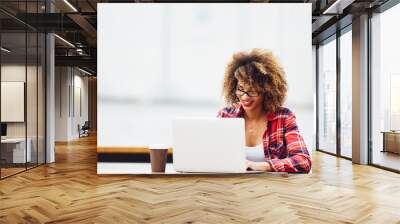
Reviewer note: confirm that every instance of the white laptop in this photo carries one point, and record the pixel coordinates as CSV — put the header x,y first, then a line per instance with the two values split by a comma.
x,y
209,145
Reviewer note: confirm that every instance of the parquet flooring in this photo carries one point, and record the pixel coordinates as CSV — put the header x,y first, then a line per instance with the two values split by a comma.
x,y
10,171
70,191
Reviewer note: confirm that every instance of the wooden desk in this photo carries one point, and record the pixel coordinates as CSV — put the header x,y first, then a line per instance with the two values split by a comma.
x,y
19,155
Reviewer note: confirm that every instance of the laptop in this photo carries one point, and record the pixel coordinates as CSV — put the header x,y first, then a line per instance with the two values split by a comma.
x,y
209,145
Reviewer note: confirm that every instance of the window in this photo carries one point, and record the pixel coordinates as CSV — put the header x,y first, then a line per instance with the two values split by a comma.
x,y
327,97
346,94
385,89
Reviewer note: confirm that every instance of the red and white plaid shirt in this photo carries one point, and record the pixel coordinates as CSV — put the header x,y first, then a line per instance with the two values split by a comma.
x,y
284,147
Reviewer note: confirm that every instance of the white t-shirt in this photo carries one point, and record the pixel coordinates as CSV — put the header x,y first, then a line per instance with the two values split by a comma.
x,y
255,154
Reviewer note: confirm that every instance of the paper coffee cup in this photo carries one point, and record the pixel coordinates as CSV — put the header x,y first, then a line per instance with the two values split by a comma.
x,y
158,157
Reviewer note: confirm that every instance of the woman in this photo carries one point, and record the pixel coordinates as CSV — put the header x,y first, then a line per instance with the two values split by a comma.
x,y
255,89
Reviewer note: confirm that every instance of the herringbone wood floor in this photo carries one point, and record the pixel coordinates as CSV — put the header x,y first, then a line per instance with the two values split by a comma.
x,y
70,191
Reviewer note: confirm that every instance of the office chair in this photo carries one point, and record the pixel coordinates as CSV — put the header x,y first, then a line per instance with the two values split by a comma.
x,y
84,130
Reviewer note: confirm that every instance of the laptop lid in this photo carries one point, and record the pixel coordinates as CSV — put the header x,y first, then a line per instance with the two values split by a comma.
x,y
209,145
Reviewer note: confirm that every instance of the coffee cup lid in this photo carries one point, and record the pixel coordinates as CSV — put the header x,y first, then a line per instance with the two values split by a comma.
x,y
159,146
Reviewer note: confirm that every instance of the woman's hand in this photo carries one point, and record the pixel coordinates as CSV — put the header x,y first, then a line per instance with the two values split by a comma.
x,y
258,166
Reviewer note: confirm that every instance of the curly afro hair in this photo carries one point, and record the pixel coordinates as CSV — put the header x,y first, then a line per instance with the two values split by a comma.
x,y
259,69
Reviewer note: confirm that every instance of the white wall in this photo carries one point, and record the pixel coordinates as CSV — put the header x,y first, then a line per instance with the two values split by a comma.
x,y
61,103
69,84
159,61
15,72
79,115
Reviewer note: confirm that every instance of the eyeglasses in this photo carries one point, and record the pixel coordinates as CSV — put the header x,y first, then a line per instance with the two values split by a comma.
x,y
240,93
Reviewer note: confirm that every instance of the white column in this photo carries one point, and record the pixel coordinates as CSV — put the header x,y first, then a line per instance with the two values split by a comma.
x,y
50,92
50,100
360,90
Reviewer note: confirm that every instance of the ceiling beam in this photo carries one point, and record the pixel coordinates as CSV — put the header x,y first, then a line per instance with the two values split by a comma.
x,y
337,7
86,26
84,61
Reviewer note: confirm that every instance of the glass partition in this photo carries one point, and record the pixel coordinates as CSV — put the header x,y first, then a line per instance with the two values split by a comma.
x,y
13,94
32,95
33,57
41,107
22,77
327,96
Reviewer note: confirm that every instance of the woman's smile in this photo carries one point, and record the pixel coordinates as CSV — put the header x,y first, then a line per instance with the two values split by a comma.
x,y
247,103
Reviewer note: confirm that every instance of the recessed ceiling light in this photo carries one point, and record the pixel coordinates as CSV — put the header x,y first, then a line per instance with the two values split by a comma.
x,y
70,5
84,71
5,50
64,40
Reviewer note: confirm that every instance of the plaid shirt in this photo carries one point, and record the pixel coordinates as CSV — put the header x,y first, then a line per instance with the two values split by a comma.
x,y
284,147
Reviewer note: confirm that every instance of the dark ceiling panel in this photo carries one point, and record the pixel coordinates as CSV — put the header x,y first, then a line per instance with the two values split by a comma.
x,y
49,22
